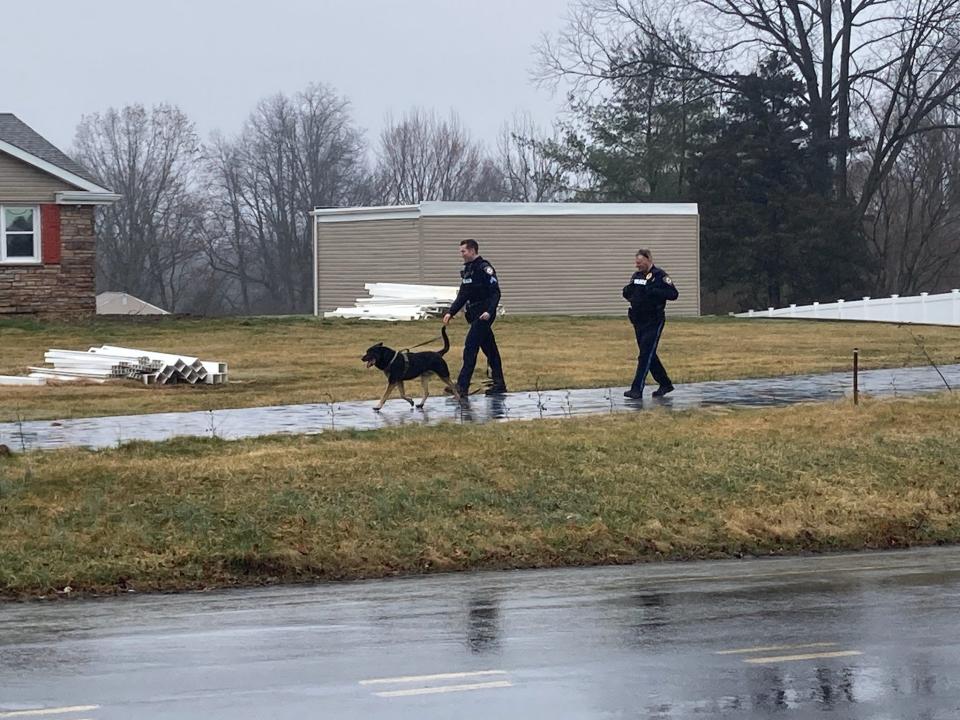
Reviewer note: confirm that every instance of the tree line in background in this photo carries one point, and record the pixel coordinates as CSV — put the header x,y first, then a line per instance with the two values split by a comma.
x,y
223,228
819,137
821,141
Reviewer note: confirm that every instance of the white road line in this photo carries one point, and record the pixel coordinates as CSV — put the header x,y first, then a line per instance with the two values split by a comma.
x,y
48,711
771,648
440,676
445,689
807,656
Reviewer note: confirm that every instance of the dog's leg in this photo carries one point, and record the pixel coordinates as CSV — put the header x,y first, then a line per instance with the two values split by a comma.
x,y
451,387
403,393
426,390
386,394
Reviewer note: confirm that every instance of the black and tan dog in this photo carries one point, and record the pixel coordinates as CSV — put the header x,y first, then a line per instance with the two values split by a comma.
x,y
399,366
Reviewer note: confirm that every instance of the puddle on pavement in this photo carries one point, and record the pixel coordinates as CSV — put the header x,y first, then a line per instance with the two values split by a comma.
x,y
232,424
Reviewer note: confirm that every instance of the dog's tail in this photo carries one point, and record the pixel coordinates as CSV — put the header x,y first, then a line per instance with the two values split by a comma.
x,y
446,340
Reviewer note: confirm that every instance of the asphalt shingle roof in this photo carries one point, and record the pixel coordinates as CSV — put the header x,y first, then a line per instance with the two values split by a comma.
x,y
16,132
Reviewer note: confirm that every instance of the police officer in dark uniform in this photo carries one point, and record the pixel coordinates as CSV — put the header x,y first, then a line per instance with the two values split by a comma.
x,y
648,292
480,293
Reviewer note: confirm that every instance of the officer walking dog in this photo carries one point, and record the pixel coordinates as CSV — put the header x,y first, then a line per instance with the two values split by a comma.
x,y
400,365
648,291
480,293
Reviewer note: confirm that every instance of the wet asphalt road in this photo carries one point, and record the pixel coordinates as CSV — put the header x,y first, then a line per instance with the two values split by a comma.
x,y
231,424
870,635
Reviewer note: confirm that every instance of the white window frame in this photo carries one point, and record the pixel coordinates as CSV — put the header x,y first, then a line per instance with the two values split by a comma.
x,y
37,257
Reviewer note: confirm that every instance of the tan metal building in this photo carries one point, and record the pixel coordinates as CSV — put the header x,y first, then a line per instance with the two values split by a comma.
x,y
551,258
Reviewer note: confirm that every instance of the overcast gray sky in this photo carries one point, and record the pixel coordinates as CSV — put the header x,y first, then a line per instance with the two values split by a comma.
x,y
215,59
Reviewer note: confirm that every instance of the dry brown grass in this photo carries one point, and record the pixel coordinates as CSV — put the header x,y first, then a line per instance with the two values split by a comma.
x,y
298,360
611,489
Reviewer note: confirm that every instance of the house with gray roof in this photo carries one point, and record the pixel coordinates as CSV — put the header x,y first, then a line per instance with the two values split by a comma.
x,y
47,239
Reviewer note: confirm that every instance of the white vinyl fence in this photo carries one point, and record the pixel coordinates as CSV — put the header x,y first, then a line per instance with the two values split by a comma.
x,y
925,309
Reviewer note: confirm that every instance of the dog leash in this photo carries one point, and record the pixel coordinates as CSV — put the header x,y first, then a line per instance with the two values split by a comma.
x,y
425,342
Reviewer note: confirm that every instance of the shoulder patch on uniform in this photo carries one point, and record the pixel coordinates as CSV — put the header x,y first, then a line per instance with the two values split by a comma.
x,y
667,280
489,269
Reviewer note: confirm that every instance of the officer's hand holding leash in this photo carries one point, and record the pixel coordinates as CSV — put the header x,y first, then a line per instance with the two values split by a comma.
x,y
485,317
447,318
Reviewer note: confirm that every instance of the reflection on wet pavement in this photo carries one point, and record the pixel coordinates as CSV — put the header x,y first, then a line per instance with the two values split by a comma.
x,y
102,432
863,636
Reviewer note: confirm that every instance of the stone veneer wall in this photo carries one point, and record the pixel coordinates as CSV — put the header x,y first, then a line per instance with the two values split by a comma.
x,y
64,289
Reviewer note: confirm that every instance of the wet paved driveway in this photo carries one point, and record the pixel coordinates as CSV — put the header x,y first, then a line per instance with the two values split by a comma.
x,y
852,637
103,432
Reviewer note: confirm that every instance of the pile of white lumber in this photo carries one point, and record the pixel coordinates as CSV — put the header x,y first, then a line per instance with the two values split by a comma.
x,y
20,380
397,301
99,364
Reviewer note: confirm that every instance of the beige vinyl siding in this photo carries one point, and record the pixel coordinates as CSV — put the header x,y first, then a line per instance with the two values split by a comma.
x,y
350,254
20,182
548,264
567,264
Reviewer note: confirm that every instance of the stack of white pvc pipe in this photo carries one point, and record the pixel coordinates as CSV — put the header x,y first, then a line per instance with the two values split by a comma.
x,y
77,365
397,301
20,380
106,362
173,368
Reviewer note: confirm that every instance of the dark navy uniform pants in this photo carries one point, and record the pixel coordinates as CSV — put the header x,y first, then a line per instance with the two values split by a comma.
x,y
480,337
648,337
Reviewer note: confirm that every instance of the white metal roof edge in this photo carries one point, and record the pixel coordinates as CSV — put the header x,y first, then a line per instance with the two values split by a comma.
x,y
351,214
461,209
51,169
436,209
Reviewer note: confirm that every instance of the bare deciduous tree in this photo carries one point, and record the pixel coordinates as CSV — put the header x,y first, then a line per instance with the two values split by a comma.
x,y
422,157
227,233
888,63
293,155
529,173
914,219
149,240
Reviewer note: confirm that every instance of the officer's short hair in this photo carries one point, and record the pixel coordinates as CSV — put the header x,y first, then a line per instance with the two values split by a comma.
x,y
646,253
471,243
